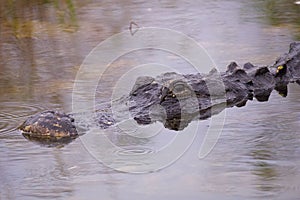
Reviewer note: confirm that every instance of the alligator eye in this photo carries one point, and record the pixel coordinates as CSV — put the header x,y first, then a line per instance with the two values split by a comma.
x,y
281,70
280,67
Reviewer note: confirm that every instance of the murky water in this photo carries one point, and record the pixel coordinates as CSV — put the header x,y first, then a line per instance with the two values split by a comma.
x,y
42,45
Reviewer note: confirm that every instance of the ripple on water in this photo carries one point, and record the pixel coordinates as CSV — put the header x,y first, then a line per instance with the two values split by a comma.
x,y
131,155
12,114
137,150
131,159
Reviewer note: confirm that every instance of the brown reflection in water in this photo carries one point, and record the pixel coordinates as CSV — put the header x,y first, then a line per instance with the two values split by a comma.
x,y
32,60
43,43
264,169
21,15
281,13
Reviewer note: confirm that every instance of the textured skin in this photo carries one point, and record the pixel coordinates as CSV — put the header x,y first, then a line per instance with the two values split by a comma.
x,y
176,100
49,124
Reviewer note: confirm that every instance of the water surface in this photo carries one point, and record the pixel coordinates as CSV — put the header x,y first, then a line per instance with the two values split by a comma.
x,y
42,45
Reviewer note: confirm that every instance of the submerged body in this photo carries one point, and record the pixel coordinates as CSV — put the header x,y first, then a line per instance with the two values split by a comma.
x,y
176,100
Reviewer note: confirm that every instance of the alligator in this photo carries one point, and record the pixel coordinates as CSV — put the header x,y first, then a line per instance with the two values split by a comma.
x,y
176,100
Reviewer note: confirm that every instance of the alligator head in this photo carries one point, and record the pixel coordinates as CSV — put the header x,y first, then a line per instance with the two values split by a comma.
x,y
49,125
286,68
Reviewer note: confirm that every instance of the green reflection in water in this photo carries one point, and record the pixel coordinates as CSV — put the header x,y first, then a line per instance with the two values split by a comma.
x,y
66,14
264,169
281,13
23,17
35,44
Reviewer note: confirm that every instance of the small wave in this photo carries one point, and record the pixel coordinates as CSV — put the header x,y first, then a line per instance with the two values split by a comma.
x,y
19,109
129,151
12,114
3,126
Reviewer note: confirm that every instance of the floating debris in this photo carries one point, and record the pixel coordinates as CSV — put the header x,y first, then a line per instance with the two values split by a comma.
x,y
133,27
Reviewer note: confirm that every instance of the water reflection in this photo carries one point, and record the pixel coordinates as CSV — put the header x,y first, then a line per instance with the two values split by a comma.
x,y
282,13
22,17
31,51
50,141
265,168
42,44
43,187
